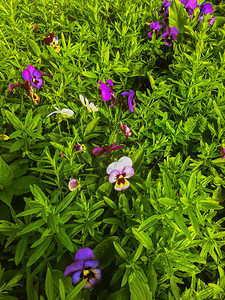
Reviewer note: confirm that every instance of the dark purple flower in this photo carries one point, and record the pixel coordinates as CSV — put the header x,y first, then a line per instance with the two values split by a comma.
x,y
164,8
79,147
170,35
126,130
189,5
28,88
154,27
107,91
11,86
211,21
84,267
100,151
222,150
33,76
166,21
50,38
131,99
205,8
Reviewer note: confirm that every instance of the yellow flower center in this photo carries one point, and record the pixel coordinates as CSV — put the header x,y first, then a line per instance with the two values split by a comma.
x,y
86,272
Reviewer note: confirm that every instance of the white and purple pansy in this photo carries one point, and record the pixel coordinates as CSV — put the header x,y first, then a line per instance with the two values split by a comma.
x,y
119,172
84,267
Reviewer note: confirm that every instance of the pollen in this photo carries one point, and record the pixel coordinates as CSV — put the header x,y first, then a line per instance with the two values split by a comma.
x,y
86,272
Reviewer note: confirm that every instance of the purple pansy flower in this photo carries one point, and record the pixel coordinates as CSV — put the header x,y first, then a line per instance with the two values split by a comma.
x,y
126,130
119,171
164,8
100,151
189,5
154,27
170,35
84,267
79,147
222,150
72,185
211,21
205,8
33,76
131,99
107,91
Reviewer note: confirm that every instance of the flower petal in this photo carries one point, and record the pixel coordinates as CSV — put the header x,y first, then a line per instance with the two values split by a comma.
x,y
67,112
90,264
26,75
110,82
95,279
113,176
124,161
106,94
36,74
126,94
31,69
112,166
92,107
99,151
76,266
122,186
72,185
129,171
76,277
84,254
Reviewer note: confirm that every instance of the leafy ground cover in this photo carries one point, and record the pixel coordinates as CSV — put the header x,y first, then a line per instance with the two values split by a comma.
x,y
112,150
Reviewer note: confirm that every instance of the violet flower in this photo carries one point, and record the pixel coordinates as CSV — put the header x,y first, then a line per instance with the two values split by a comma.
x,y
52,41
211,21
107,91
164,8
170,35
154,27
100,151
84,267
131,99
126,130
189,5
73,184
119,171
33,76
205,8
79,147
222,150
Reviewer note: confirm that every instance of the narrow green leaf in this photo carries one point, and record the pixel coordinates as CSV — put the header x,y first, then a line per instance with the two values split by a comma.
x,y
66,201
62,290
191,185
91,126
120,250
64,239
75,291
49,286
167,186
20,249
110,202
180,222
6,174
39,251
139,289
149,222
144,239
63,40
32,226
34,47
168,202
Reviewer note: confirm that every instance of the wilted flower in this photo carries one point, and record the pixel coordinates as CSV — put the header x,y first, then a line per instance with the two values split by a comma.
x,y
222,150
119,171
52,41
164,8
100,151
79,147
5,137
65,112
131,99
107,91
72,185
170,35
33,76
34,27
126,130
211,21
84,267
91,107
205,8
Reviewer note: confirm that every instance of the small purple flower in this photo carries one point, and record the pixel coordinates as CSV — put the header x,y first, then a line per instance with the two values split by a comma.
x,y
205,8
33,76
72,185
211,21
84,267
131,99
100,151
126,130
154,27
170,35
222,150
189,5
164,8
107,91
79,147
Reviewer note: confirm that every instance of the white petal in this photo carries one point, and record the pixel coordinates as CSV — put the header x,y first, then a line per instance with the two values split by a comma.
x,y
54,112
82,100
67,112
124,161
112,166
56,108
93,107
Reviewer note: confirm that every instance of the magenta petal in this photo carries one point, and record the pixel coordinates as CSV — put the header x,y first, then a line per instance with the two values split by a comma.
x,y
76,277
36,74
128,171
76,266
90,264
126,94
110,82
26,75
84,254
30,69
106,95
113,176
99,151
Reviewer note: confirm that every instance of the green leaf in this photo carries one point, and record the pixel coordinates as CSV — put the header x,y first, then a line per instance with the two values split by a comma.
x,y
174,289
168,202
110,202
167,186
139,289
89,74
31,227
104,190
137,157
21,185
180,222
105,252
75,291
63,40
66,201
91,126
144,239
191,185
14,120
34,47
49,286
20,249
6,174
39,251
149,222
62,290
120,250
6,196
16,146
64,239
178,17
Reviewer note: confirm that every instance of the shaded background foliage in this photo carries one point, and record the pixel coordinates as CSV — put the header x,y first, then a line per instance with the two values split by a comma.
x,y
162,238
